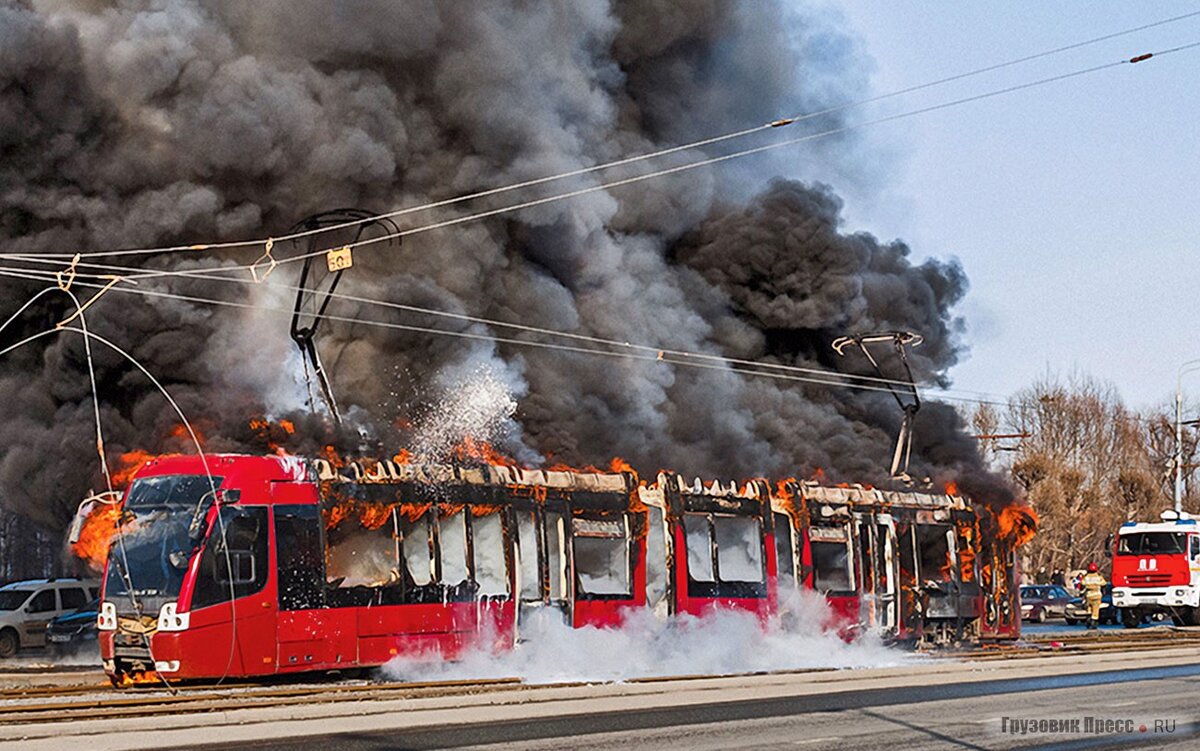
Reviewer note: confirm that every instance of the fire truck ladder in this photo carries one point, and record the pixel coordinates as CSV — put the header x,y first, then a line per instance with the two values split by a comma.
x,y
908,399
317,295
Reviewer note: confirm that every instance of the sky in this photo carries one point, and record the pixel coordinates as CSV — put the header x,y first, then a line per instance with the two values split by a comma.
x,y
1073,207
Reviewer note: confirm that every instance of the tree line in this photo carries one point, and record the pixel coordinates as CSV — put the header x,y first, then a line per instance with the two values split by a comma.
x,y
1086,463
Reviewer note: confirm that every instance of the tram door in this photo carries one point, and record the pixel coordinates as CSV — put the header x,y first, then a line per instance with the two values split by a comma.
x,y
886,571
877,563
543,566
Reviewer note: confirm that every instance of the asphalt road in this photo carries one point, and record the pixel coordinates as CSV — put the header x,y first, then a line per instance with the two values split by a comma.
x,y
946,716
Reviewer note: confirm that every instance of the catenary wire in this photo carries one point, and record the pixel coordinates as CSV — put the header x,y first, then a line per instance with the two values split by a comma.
x,y
644,357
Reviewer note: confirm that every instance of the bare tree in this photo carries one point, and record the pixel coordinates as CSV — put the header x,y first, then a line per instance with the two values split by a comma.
x,y
1087,465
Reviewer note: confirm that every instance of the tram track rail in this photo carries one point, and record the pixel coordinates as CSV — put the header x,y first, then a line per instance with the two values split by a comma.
x,y
106,703
66,703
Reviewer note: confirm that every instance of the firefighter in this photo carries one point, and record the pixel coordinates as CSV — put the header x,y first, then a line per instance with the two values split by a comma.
x,y
1093,590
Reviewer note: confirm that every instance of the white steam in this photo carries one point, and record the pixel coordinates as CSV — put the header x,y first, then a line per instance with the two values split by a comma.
x,y
718,643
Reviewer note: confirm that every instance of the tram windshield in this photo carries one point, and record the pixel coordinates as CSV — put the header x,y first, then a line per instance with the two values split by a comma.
x,y
163,523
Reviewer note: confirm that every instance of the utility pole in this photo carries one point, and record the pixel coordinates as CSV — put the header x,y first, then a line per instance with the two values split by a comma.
x,y
1186,367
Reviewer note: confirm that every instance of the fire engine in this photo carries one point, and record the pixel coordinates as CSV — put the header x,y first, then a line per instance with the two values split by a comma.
x,y
1156,569
243,566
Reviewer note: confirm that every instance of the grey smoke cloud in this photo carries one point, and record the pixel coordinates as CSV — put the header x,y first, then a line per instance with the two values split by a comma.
x,y
146,123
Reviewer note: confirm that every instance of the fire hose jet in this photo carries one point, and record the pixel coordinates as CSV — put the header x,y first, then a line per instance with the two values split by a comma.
x,y
899,340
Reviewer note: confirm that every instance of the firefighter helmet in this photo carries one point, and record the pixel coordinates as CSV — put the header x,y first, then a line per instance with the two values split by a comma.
x,y
1093,568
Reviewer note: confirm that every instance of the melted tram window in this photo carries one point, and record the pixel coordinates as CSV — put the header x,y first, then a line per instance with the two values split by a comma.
x,y
531,577
739,548
602,555
656,559
831,562
556,554
363,556
487,537
933,552
783,549
452,547
699,547
417,547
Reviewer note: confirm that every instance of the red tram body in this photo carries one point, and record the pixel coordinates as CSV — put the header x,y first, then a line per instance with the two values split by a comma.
x,y
255,566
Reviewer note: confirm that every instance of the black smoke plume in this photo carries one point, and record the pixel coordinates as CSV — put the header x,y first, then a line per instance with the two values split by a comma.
x,y
148,123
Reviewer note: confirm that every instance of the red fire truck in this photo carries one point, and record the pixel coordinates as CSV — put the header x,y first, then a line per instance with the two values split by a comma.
x,y
1156,569
252,566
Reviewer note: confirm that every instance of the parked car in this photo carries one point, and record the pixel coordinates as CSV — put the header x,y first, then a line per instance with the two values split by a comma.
x,y
70,630
27,607
1077,612
1042,601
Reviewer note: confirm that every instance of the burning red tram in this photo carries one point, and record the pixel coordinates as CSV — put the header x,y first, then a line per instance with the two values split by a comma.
x,y
254,566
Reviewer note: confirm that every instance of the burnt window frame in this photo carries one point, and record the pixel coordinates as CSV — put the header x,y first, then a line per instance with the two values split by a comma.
x,y
720,588
947,539
626,539
786,549
849,568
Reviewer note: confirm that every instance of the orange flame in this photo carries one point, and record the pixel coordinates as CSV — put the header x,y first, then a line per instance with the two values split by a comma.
x,y
620,465
180,433
966,551
138,678
131,462
273,434
472,449
1017,523
96,535
947,569
412,511
952,488
335,515
331,455
374,515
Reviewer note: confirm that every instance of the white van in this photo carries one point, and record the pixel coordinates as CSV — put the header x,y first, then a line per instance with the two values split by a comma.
x,y
27,607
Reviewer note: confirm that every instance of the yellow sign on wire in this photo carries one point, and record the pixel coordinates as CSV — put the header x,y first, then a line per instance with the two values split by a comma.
x,y
339,259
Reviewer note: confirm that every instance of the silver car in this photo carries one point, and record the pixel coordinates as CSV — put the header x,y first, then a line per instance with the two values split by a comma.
x,y
26,609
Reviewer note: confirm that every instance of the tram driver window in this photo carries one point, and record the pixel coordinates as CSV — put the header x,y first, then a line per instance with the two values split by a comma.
x,y
235,561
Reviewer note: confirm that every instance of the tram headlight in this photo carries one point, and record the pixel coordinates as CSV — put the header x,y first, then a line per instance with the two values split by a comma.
x,y
106,619
170,620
